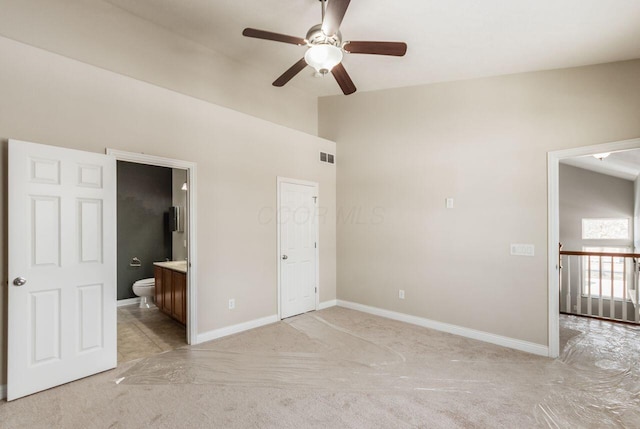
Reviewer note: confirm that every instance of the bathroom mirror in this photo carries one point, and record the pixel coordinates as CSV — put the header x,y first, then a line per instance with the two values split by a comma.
x,y
175,219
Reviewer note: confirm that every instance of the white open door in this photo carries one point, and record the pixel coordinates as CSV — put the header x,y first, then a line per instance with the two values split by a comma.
x,y
298,248
62,281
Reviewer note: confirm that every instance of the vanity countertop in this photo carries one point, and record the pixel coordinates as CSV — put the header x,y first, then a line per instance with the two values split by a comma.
x,y
180,266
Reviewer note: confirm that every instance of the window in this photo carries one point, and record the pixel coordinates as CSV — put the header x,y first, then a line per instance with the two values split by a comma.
x,y
605,229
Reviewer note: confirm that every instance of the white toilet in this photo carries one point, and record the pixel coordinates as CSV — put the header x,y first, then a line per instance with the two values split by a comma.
x,y
145,289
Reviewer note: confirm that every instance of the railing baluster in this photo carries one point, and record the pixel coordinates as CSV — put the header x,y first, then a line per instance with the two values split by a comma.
x,y
636,307
569,284
560,282
612,309
589,300
580,288
600,286
624,289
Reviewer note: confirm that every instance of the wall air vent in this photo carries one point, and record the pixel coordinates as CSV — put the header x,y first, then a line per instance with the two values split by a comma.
x,y
327,157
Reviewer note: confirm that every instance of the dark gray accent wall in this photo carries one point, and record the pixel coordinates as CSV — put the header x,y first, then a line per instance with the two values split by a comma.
x,y
144,198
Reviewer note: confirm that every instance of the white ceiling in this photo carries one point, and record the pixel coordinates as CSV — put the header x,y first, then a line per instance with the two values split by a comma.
x,y
448,40
624,164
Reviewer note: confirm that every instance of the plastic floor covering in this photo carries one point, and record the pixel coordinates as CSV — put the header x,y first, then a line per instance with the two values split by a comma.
x,y
343,368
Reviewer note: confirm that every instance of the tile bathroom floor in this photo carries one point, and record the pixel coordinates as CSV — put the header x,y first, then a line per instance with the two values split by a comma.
x,y
144,332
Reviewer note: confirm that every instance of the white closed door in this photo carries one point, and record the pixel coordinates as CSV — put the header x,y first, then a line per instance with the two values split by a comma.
x,y
62,274
298,247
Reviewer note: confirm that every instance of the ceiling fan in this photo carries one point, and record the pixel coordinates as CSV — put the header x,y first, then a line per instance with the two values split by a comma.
x,y
326,48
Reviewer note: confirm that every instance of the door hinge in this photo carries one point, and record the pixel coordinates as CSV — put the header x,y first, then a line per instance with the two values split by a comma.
x,y
315,200
316,290
315,245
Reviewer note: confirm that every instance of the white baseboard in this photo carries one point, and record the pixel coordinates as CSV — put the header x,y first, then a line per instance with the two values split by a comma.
x,y
327,304
3,391
129,301
251,324
234,329
525,346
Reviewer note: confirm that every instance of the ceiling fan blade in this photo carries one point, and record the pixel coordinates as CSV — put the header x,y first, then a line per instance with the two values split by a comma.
x,y
397,49
289,74
277,37
343,79
333,16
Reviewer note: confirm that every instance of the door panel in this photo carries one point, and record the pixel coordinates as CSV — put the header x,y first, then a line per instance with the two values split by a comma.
x,y
90,305
44,326
44,229
298,229
90,230
62,321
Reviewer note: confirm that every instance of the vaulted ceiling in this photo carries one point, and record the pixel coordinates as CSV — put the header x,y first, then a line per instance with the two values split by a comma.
x,y
448,40
624,164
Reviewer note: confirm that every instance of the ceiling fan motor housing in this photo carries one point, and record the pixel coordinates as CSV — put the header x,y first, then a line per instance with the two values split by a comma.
x,y
315,36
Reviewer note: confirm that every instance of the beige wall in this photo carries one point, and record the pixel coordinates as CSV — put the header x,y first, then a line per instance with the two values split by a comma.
x,y
104,35
483,142
587,194
50,99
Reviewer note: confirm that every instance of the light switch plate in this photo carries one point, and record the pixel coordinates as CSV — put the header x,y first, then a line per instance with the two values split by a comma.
x,y
523,249
449,203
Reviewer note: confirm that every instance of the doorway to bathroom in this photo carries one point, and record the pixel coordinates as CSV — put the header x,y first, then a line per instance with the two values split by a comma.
x,y
155,254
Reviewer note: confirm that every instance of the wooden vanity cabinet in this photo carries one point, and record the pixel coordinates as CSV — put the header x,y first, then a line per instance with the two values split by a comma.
x,y
157,274
171,293
179,296
167,291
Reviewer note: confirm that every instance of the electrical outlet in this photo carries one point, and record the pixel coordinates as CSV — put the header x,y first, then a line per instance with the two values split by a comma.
x,y
232,304
575,308
401,294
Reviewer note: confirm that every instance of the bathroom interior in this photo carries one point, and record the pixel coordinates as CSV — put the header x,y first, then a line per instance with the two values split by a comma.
x,y
151,259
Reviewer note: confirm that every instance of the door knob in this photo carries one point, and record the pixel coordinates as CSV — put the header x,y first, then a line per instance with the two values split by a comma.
x,y
19,281
285,257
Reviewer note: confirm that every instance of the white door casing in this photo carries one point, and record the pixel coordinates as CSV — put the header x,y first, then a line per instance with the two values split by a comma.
x,y
297,239
62,241
192,243
553,229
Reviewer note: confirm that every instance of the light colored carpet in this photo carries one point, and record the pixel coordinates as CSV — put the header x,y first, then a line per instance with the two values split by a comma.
x,y
339,368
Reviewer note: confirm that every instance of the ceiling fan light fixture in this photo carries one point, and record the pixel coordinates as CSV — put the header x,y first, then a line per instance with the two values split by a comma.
x,y
325,47
323,57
